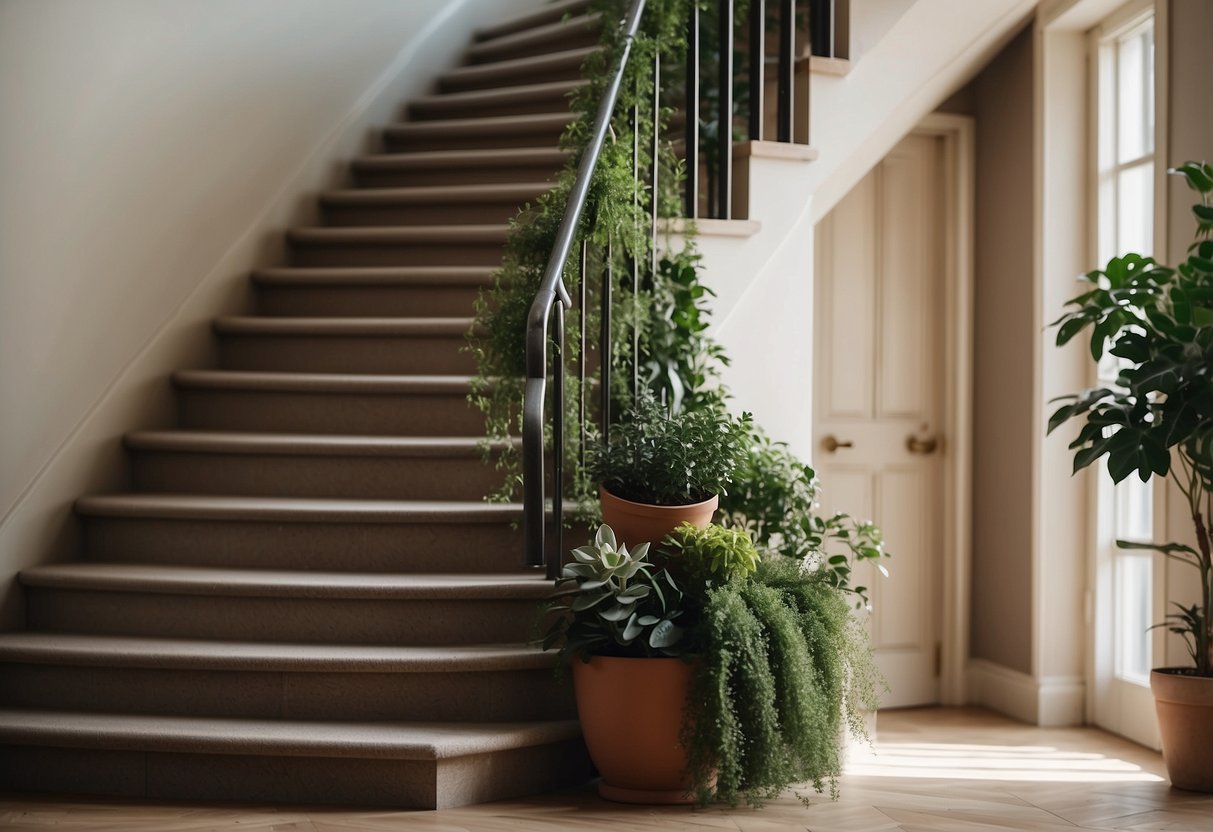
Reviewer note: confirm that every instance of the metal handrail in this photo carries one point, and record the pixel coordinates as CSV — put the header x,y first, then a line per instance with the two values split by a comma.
x,y
553,293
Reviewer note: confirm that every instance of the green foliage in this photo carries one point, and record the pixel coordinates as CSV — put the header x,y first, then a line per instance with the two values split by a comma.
x,y
783,663
776,497
619,603
1157,322
709,556
658,458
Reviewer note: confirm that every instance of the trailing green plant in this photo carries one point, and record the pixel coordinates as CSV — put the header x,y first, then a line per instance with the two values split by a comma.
x,y
785,667
617,603
776,498
666,459
1157,323
709,556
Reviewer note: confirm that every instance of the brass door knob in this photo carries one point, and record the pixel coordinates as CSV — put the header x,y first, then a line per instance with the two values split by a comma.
x,y
831,444
922,446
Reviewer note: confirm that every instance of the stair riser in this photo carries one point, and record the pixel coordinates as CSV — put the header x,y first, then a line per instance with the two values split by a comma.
x,y
367,301
472,212
455,175
569,70
550,103
552,13
357,414
400,784
371,547
282,475
420,141
486,696
319,620
572,36
407,254
390,355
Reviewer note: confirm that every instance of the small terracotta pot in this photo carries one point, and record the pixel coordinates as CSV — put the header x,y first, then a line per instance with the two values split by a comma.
x,y
1185,722
640,522
631,715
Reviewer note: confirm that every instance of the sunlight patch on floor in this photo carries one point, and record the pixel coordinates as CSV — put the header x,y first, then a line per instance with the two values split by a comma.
x,y
1036,764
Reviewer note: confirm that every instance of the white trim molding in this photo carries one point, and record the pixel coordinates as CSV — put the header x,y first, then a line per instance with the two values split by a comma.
x,y
1049,702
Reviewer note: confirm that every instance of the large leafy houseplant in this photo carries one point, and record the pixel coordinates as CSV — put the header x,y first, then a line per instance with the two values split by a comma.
x,y
1157,419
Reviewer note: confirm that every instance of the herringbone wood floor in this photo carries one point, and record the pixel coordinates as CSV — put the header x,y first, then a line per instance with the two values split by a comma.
x,y
931,770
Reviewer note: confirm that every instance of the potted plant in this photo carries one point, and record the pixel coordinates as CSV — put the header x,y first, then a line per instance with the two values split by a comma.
x,y
709,673
658,469
1157,420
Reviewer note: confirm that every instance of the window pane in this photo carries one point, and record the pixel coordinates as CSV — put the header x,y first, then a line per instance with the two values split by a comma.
x,y
1130,98
1135,509
1135,210
1134,578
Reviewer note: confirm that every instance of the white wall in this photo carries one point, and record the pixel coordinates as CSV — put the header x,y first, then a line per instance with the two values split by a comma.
x,y
151,154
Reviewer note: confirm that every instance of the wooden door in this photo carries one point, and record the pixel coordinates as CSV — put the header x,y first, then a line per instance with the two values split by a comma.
x,y
878,397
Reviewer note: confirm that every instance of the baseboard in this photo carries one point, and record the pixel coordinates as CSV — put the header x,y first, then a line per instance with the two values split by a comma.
x,y
1051,701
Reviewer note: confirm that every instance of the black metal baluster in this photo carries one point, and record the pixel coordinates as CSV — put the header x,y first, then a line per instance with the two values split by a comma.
x,y
692,115
554,561
758,54
583,275
635,261
653,200
604,342
787,69
724,137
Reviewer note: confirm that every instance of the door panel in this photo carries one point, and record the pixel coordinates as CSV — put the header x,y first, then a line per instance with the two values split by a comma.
x,y
879,289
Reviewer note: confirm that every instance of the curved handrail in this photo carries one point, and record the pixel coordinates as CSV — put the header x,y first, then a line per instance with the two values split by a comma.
x,y
552,290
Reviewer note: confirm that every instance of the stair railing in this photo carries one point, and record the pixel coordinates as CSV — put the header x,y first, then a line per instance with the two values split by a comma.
x,y
553,297
707,158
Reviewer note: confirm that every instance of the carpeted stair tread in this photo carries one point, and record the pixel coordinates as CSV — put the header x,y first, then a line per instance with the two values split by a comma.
x,y
235,442
294,509
336,383
262,325
436,276
397,235
474,158
535,37
207,654
493,125
548,13
474,75
272,583
437,194
519,94
306,738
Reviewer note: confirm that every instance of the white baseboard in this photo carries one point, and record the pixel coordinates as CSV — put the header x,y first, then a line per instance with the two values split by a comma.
x,y
1051,701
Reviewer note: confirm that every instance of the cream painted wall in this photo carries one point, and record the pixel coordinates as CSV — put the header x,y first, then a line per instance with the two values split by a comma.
x,y
151,154
1000,626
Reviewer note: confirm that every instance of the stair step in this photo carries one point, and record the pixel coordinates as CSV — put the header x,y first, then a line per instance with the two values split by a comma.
x,y
534,69
345,345
365,536
419,765
455,167
547,97
425,245
327,403
475,205
286,605
117,674
574,33
298,465
405,291
530,130
549,13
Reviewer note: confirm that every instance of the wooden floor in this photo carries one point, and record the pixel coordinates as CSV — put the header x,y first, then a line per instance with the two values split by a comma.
x,y
932,770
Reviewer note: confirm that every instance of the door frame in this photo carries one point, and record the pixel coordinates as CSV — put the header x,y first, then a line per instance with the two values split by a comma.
x,y
958,136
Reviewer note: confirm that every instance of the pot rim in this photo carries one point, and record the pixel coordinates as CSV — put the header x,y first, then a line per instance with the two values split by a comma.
x,y
604,491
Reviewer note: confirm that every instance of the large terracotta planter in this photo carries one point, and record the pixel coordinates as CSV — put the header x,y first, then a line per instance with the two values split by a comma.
x,y
1185,722
636,523
631,714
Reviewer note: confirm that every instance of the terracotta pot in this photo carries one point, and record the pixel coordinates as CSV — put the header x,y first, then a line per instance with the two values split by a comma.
x,y
631,715
640,522
1185,723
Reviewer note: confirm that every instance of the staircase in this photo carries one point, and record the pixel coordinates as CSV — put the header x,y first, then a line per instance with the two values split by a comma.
x,y
304,598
